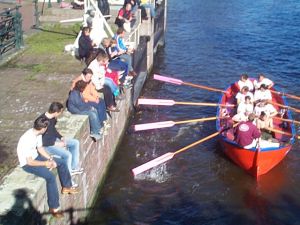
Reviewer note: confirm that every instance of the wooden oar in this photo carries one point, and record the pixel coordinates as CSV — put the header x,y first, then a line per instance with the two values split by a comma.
x,y
163,124
285,94
287,120
285,106
170,155
166,102
281,132
180,82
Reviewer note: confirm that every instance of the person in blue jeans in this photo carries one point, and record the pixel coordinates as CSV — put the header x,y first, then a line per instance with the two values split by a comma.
x,y
34,159
57,145
77,105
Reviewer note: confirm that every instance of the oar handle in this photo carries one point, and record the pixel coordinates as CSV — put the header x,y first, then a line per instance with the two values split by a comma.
x,y
204,104
284,106
203,87
285,94
287,120
281,132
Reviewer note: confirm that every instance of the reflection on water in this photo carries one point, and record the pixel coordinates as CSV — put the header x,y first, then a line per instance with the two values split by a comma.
x,y
210,43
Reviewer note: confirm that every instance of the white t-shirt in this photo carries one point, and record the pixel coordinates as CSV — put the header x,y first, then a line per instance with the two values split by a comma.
x,y
27,146
243,108
264,81
98,74
248,83
262,95
241,97
268,109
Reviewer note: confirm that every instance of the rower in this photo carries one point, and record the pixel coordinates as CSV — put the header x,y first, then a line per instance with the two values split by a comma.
x,y
262,94
240,97
263,106
263,80
245,82
243,110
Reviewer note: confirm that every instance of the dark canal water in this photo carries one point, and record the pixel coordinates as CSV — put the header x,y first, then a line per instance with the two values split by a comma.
x,y
210,42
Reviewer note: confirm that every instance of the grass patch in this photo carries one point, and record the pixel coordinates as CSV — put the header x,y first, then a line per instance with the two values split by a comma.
x,y
52,39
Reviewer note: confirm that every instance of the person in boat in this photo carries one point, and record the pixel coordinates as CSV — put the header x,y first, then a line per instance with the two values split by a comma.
x,y
262,94
243,110
247,134
264,106
263,80
240,97
245,81
263,122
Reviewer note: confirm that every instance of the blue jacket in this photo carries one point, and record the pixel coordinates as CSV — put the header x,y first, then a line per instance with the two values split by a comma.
x,y
76,104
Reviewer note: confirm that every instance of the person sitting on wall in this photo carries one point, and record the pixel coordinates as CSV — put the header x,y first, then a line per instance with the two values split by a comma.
x,y
125,18
77,105
91,95
245,81
148,5
98,66
135,4
34,159
57,145
124,52
247,133
86,48
115,63
263,80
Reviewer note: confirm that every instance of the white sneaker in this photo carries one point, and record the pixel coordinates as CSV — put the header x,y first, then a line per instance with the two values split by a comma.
x,y
76,171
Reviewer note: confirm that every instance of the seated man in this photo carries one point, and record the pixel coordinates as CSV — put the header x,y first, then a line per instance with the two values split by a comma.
x,y
263,80
262,123
265,107
55,144
33,158
247,133
245,81
243,110
262,94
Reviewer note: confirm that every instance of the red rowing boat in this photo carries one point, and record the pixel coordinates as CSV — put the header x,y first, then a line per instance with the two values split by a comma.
x,y
256,161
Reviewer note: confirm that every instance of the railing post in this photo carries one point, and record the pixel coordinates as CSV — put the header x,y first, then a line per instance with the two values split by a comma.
x,y
18,28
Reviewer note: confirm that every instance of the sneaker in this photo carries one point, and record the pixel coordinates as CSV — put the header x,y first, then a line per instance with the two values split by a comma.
x,y
96,136
56,213
74,185
76,171
69,190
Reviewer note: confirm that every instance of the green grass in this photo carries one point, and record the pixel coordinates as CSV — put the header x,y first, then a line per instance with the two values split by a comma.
x,y
52,39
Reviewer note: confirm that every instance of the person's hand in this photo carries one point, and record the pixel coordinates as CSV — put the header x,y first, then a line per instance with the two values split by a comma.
x,y
51,164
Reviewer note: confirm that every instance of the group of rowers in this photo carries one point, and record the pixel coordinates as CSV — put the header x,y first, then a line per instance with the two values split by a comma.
x,y
254,113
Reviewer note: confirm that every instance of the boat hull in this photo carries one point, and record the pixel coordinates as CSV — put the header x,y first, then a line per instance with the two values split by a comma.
x,y
255,162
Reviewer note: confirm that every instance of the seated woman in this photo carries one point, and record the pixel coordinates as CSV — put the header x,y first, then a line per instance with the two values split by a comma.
x,y
245,81
77,105
243,110
262,94
240,97
125,17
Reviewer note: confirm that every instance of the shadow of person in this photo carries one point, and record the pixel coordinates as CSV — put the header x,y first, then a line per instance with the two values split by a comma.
x,y
22,212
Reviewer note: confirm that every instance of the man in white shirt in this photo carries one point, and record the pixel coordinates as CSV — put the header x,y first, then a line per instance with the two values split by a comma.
x,y
240,96
33,158
263,80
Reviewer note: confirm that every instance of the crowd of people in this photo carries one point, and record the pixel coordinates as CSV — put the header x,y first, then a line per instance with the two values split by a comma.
x,y
255,113
95,92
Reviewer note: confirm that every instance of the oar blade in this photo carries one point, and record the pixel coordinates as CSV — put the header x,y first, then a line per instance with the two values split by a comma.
x,y
167,79
152,163
150,126
147,101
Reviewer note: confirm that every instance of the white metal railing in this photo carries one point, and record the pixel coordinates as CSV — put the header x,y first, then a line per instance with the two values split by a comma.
x,y
134,36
